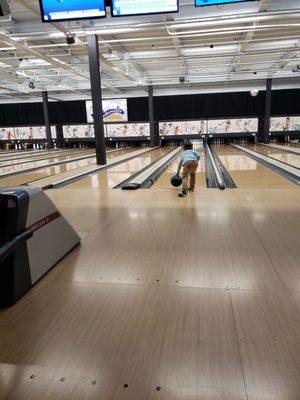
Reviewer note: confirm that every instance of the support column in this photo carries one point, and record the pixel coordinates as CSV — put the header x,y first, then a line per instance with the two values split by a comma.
x,y
59,136
151,117
47,120
95,76
267,115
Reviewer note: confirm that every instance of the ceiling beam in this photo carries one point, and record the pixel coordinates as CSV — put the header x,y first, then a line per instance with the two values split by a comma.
x,y
286,58
35,10
246,38
178,46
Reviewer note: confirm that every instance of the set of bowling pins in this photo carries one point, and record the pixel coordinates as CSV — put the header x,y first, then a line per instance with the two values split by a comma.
x,y
239,141
217,141
175,143
38,146
197,144
80,146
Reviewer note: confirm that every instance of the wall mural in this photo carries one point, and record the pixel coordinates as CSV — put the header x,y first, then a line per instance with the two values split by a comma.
x,y
244,125
200,127
126,130
285,124
7,133
78,131
168,128
22,133
177,128
110,130
26,133
196,127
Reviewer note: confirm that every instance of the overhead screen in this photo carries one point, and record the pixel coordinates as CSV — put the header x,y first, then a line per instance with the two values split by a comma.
x,y
64,10
121,8
201,3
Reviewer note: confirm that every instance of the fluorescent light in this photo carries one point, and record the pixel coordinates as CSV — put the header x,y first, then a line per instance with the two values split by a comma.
x,y
56,34
107,31
33,62
7,48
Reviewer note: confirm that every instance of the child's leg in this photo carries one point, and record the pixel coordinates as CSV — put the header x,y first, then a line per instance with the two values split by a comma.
x,y
185,177
192,181
193,169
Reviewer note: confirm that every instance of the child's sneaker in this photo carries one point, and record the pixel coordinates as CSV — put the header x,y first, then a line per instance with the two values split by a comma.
x,y
183,193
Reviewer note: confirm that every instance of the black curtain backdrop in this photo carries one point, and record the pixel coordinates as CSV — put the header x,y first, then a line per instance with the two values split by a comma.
x,y
285,102
213,105
209,106
62,112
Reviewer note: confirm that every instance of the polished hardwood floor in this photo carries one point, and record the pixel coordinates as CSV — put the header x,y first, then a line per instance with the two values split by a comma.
x,y
166,298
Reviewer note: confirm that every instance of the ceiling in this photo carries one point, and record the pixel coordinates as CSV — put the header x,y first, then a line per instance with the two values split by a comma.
x,y
230,48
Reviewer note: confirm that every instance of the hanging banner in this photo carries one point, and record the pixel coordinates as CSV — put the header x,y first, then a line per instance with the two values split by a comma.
x,y
114,110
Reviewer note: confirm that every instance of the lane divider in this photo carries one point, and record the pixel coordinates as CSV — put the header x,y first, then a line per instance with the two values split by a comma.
x,y
227,179
216,169
148,175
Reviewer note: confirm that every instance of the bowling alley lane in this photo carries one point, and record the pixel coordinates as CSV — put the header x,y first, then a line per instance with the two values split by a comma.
x,y
291,146
25,153
115,175
44,156
280,155
48,171
248,173
39,163
164,181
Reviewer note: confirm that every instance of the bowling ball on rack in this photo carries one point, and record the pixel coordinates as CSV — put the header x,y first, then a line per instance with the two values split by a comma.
x,y
176,180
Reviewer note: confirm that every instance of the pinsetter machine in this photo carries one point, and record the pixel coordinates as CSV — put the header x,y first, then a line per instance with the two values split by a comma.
x,y
34,236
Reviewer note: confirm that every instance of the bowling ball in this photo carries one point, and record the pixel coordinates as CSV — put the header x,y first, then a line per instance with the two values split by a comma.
x,y
176,180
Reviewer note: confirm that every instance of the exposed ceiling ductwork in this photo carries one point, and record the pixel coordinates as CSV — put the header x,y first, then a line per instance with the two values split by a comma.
x,y
210,48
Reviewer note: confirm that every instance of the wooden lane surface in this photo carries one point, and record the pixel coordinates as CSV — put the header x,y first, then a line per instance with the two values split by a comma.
x,y
18,153
164,181
69,176
42,163
236,258
54,170
37,157
293,149
268,333
280,155
277,225
141,336
290,145
115,175
35,153
85,330
248,173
